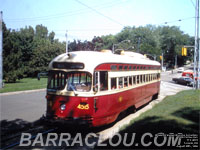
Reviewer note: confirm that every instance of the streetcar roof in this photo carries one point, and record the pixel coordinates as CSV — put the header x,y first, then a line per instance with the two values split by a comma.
x,y
92,59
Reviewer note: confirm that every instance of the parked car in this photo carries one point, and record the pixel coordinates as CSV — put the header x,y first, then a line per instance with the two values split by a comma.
x,y
183,80
180,70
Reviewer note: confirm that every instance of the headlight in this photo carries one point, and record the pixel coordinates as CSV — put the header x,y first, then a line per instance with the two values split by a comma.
x,y
62,107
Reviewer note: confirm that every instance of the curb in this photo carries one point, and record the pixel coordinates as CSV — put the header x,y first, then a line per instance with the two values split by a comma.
x,y
20,92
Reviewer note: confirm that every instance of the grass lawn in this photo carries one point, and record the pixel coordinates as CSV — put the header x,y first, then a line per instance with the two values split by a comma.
x,y
175,114
25,84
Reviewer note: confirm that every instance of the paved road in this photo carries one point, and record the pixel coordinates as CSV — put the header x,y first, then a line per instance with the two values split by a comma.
x,y
168,75
31,106
25,106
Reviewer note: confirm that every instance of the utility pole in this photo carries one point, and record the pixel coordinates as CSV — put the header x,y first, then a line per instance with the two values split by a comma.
x,y
198,45
1,49
176,61
196,49
66,42
162,61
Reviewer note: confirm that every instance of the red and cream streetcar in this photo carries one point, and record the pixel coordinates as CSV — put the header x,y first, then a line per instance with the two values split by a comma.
x,y
93,88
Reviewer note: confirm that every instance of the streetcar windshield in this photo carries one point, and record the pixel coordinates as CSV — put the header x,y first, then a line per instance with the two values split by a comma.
x,y
73,81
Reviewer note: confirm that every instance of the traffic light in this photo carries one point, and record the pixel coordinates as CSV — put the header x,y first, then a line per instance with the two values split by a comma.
x,y
184,51
160,57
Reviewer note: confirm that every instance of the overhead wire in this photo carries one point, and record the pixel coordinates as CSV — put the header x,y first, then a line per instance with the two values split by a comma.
x,y
193,4
64,14
101,14
179,20
81,11
100,29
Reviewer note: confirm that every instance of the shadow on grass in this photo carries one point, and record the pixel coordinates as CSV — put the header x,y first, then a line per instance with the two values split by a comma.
x,y
188,114
155,125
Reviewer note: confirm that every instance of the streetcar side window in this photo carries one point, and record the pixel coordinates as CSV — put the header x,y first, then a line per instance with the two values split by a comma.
x,y
120,67
130,81
147,78
141,79
113,83
125,81
120,83
103,80
158,75
134,79
138,79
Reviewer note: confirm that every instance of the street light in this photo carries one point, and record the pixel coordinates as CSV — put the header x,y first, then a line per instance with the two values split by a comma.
x,y
113,48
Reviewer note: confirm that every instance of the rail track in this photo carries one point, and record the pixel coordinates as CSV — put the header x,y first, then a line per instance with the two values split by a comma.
x,y
11,134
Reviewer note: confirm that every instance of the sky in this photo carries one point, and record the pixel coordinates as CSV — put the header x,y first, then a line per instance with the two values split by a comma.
x,y
84,19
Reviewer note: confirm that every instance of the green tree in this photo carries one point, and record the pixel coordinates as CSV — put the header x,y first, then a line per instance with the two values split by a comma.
x,y
51,36
41,32
108,41
12,55
172,39
43,53
26,45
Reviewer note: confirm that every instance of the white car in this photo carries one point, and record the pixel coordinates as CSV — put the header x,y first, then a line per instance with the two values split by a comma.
x,y
180,70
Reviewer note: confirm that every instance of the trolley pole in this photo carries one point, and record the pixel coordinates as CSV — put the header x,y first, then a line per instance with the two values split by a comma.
x,y
66,42
1,49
